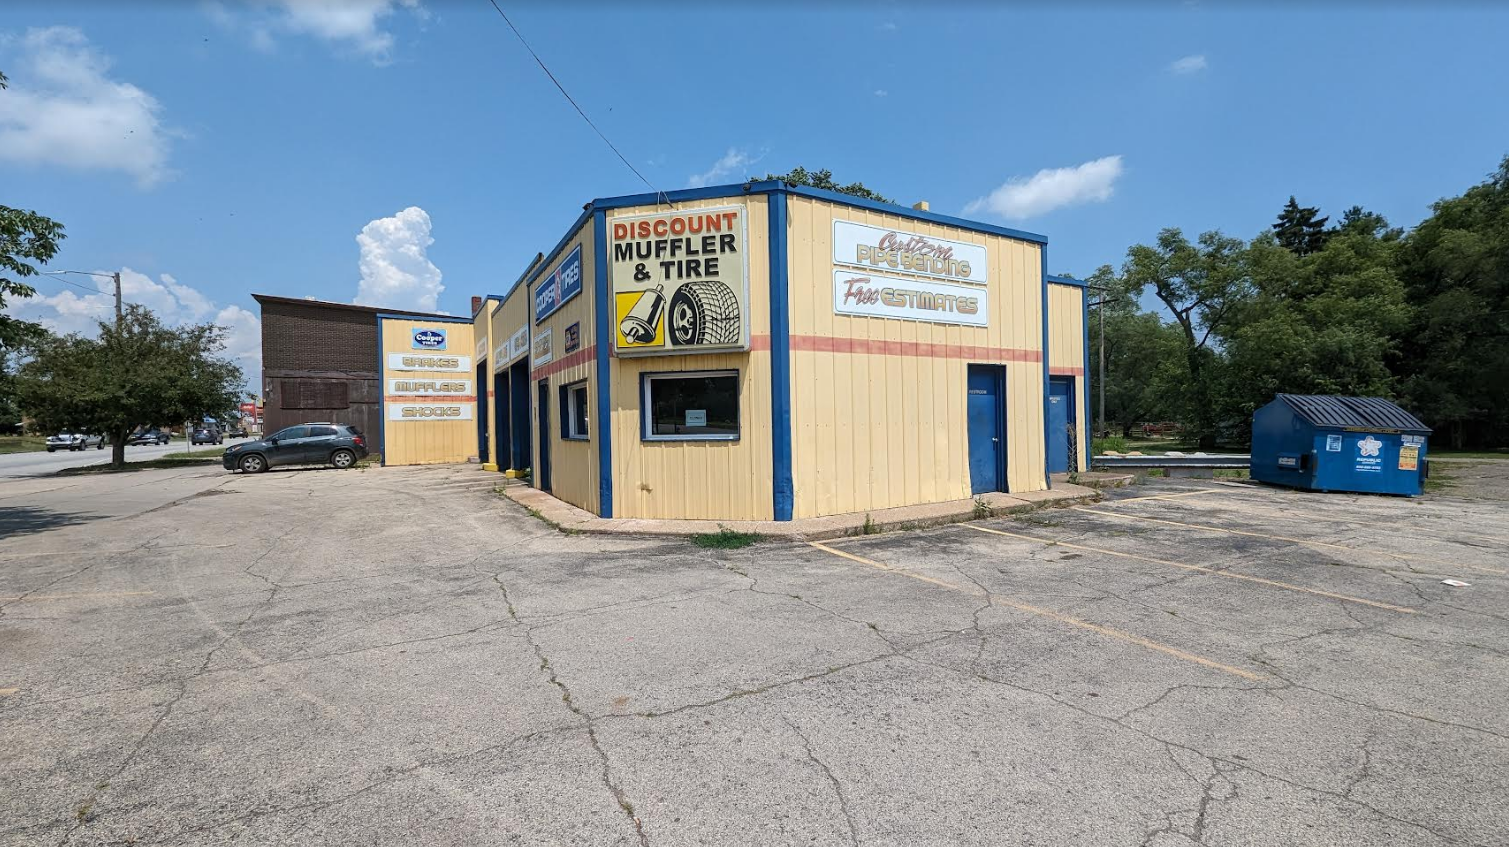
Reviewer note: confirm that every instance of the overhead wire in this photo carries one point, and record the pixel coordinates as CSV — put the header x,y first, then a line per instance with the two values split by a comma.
x,y
53,275
579,110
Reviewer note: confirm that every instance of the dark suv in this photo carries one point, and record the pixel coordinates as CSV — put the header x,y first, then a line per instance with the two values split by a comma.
x,y
335,444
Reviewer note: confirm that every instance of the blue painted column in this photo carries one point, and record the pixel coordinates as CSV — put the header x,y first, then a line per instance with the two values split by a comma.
x,y
780,359
603,311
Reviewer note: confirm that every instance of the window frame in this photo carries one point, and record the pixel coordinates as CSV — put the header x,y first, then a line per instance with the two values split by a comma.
x,y
647,407
568,410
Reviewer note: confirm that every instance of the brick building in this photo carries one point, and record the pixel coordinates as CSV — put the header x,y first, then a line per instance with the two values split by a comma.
x,y
320,363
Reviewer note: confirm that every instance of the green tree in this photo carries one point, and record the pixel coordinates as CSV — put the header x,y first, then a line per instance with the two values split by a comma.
x,y
824,179
1455,267
25,237
1300,229
1322,323
138,373
1202,285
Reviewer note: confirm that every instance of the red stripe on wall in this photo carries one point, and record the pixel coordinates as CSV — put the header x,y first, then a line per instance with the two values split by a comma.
x,y
919,349
1052,371
759,343
430,398
580,357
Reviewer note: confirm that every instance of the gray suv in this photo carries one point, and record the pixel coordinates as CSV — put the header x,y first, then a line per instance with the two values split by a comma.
x,y
319,443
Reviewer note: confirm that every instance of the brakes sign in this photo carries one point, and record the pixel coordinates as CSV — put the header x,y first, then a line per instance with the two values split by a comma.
x,y
679,281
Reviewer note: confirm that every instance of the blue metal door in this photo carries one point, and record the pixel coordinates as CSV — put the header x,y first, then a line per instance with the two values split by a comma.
x,y
987,458
542,473
1060,412
482,418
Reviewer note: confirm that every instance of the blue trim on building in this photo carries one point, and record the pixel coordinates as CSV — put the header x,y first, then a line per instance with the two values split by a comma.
x,y
1068,280
914,214
604,329
382,398
1084,299
769,186
447,319
1047,379
555,252
780,360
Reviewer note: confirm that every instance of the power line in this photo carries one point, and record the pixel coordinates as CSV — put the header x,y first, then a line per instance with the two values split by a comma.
x,y
56,278
573,102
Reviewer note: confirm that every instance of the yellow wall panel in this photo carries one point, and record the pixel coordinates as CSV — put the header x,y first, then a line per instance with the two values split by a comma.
x,y
878,405
573,464
702,479
1066,353
426,442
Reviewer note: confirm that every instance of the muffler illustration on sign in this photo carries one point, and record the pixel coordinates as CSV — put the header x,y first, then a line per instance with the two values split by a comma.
x,y
642,323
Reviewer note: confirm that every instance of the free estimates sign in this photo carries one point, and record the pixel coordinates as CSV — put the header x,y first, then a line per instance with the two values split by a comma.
x,y
875,296
680,281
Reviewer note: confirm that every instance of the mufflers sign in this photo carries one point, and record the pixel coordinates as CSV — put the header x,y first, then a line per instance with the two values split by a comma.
x,y
680,281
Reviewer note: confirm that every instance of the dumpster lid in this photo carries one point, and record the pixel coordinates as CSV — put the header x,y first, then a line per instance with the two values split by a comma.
x,y
1367,412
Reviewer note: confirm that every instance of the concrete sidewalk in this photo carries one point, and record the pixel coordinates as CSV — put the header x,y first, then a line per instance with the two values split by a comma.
x,y
572,519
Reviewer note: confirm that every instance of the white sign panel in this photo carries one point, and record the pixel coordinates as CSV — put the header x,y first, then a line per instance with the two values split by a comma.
x,y
518,345
544,349
889,249
500,355
429,362
449,387
872,296
429,411
481,349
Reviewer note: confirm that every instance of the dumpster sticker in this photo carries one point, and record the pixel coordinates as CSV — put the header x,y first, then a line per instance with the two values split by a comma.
x,y
1409,457
1333,443
680,281
1368,459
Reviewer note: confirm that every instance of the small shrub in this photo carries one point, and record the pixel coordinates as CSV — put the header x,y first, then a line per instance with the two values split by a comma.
x,y
981,510
870,527
725,539
1099,446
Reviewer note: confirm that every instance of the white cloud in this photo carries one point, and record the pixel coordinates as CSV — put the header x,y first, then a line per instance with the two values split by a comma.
x,y
727,166
1189,65
1052,188
63,109
881,92
355,25
396,273
74,310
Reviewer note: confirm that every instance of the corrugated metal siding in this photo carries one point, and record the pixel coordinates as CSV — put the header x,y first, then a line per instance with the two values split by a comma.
x,y
1066,352
573,464
1338,411
702,479
427,442
482,342
879,405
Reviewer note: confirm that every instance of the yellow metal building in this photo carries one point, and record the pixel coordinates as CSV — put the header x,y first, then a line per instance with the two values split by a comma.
x,y
771,351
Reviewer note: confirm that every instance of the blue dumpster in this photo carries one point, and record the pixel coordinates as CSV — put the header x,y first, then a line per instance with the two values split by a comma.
x,y
1332,443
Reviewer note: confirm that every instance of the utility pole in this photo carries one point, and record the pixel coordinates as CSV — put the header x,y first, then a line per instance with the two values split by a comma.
x,y
118,316
1102,385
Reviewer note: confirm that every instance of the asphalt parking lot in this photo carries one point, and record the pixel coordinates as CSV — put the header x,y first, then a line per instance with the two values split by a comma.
x,y
400,656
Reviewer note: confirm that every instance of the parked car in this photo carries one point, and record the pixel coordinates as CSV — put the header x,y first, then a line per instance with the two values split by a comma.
x,y
148,436
340,445
207,433
74,441
235,431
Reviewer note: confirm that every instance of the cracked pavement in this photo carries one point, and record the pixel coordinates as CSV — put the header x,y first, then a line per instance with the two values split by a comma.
x,y
400,656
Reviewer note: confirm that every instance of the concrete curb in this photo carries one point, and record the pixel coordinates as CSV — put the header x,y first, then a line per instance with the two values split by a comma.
x,y
570,519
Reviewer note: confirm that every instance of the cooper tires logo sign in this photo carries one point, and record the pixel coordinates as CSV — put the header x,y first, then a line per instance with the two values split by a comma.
x,y
429,339
680,281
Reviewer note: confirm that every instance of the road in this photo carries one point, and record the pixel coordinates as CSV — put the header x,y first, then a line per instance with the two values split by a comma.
x,y
399,656
42,463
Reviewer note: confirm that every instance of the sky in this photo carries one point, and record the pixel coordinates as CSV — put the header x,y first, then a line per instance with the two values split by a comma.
x,y
410,153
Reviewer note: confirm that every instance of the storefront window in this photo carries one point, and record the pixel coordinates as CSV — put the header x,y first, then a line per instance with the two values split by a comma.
x,y
691,406
576,411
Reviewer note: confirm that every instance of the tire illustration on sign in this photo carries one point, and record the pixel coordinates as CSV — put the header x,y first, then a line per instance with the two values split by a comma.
x,y
704,313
